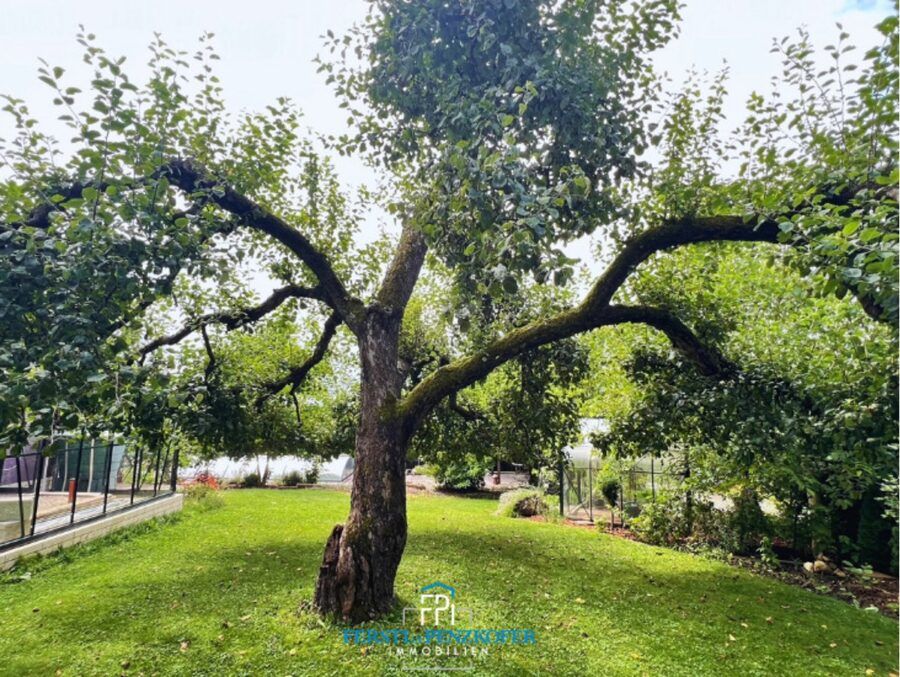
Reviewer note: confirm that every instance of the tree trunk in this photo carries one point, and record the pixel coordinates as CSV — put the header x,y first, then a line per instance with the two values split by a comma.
x,y
356,579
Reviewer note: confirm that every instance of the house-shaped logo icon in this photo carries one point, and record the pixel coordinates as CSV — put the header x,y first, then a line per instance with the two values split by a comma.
x,y
436,600
442,586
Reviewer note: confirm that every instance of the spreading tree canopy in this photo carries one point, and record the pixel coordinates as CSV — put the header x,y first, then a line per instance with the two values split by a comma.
x,y
505,127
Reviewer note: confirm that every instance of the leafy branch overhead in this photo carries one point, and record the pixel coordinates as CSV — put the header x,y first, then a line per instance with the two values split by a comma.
x,y
162,178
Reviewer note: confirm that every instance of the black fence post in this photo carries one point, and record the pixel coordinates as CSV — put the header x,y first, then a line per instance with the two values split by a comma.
x,y
37,488
135,471
174,486
562,485
165,464
156,471
21,507
107,470
77,477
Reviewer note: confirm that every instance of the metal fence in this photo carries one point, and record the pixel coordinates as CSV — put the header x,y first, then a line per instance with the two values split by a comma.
x,y
643,481
44,490
639,483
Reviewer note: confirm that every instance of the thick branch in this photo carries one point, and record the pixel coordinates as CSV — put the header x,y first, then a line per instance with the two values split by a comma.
x,y
192,178
671,235
466,413
210,355
403,272
237,319
40,215
297,374
466,371
593,312
705,356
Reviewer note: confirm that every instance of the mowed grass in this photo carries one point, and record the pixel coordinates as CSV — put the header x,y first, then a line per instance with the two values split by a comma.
x,y
221,592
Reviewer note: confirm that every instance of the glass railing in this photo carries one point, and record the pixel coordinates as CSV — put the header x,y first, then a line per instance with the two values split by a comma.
x,y
45,490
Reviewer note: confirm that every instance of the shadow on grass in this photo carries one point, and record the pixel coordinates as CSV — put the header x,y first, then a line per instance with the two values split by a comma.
x,y
26,567
477,494
574,583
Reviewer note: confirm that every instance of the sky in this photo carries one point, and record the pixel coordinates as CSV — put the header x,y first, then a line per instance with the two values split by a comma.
x,y
267,47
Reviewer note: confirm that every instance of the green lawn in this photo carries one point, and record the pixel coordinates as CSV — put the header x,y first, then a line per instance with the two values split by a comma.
x,y
219,592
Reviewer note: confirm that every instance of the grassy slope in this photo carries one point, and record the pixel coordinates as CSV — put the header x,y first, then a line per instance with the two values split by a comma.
x,y
228,582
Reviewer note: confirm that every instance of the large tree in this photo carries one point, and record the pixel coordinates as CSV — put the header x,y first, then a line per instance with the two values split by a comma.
x,y
507,127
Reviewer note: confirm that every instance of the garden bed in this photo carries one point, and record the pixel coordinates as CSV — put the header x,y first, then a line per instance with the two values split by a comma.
x,y
878,591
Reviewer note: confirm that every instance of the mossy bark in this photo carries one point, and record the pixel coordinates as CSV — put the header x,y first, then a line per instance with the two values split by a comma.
x,y
356,579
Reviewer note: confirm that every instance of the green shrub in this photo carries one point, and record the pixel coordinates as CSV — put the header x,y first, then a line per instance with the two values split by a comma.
x,y
662,522
667,521
890,498
202,496
524,502
746,524
252,480
610,490
292,479
707,524
741,530
312,475
767,553
464,473
426,469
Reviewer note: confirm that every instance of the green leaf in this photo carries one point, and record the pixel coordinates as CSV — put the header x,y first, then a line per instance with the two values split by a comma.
x,y
583,184
869,234
850,227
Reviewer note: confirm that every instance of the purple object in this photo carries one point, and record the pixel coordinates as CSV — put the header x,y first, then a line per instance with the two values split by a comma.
x,y
28,463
